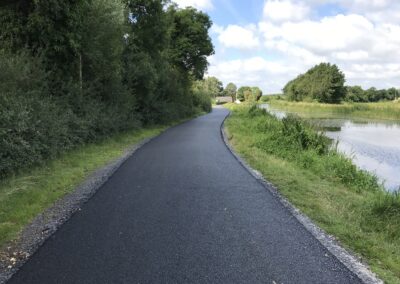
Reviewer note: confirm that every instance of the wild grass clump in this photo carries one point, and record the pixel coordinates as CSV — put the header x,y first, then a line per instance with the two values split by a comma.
x,y
387,204
303,135
297,140
380,110
382,214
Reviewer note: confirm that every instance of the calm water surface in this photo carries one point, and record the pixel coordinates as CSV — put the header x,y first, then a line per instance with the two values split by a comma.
x,y
373,145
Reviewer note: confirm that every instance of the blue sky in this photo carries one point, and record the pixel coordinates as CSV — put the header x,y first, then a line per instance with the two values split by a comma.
x,y
225,12
266,43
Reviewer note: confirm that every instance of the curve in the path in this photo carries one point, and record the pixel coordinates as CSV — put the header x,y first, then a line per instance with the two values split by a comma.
x,y
183,210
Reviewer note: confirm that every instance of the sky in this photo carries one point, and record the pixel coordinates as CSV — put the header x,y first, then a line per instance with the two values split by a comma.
x,y
267,43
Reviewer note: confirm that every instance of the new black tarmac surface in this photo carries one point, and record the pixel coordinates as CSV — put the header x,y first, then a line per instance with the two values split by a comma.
x,y
183,210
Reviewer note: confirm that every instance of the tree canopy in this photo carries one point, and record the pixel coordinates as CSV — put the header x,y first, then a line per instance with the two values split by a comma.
x,y
190,42
358,94
256,93
246,93
323,83
230,90
211,85
241,92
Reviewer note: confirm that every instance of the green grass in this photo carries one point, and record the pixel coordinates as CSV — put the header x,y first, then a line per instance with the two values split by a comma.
x,y
24,196
381,110
326,186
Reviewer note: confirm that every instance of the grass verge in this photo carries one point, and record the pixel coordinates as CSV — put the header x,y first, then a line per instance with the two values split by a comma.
x,y
381,110
345,201
24,196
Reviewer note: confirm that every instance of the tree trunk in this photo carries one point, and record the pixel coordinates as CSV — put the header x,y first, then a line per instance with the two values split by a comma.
x,y
80,73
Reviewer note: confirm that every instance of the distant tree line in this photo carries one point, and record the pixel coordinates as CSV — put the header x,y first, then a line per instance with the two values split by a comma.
x,y
215,88
359,95
244,93
72,72
325,83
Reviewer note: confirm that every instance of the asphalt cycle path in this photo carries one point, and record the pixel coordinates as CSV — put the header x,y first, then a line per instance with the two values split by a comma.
x,y
182,209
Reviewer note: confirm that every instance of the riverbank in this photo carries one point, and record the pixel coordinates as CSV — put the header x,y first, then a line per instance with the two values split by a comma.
x,y
381,110
326,186
26,195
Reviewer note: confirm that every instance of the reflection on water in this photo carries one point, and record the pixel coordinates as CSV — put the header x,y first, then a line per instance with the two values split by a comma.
x,y
373,146
278,113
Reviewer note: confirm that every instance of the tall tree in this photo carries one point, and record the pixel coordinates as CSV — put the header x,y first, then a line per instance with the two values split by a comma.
x,y
256,93
190,41
241,92
214,86
149,25
102,46
230,90
166,49
324,83
147,39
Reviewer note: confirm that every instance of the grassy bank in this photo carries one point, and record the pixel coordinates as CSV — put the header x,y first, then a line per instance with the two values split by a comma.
x,y
24,196
325,185
382,110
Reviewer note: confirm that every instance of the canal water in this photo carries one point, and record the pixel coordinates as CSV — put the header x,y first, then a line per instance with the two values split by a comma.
x,y
372,145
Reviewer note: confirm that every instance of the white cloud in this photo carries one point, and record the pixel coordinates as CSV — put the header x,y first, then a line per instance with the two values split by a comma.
x,y
234,36
351,55
293,51
365,6
199,4
342,37
378,11
329,34
364,42
253,71
285,10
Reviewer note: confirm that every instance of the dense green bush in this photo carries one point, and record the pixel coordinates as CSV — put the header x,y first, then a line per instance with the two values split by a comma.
x,y
202,100
303,136
72,72
36,126
202,96
249,94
